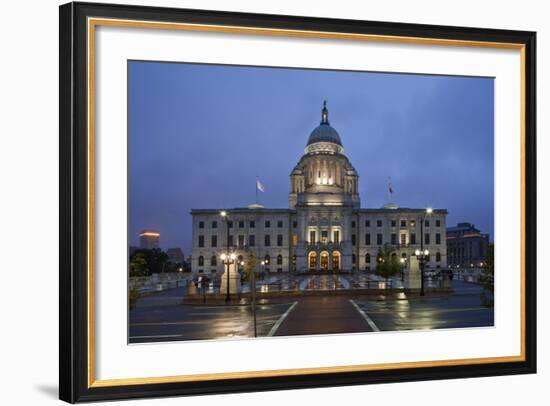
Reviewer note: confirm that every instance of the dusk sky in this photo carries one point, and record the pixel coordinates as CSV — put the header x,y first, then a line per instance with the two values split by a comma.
x,y
200,134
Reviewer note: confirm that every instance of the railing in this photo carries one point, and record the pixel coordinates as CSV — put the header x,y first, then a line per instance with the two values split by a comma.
x,y
324,246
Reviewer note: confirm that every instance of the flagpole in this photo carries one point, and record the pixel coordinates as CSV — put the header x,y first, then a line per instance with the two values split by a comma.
x,y
256,185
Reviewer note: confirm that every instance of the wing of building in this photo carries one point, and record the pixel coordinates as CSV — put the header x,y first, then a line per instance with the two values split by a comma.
x,y
324,229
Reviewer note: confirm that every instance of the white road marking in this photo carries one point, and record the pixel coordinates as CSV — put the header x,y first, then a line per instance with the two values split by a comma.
x,y
280,321
365,316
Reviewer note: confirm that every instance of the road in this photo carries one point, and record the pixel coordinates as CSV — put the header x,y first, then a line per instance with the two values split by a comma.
x,y
323,315
162,317
462,309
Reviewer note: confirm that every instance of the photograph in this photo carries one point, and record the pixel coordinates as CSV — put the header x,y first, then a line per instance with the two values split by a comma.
x,y
288,201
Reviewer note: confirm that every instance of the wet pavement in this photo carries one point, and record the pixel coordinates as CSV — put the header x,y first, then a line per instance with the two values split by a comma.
x,y
162,316
461,309
323,315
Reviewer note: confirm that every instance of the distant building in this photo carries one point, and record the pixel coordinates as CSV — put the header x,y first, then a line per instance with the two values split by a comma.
x,y
324,229
175,255
466,246
149,239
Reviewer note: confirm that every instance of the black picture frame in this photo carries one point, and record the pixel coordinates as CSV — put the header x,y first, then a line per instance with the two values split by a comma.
x,y
74,200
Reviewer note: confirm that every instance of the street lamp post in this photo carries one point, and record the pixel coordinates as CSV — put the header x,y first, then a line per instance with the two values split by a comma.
x,y
227,260
422,254
403,263
253,289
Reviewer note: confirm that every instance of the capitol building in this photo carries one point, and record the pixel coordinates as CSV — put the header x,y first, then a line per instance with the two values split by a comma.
x,y
324,228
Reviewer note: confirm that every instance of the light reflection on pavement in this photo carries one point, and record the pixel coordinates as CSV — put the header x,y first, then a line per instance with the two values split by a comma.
x,y
163,317
195,322
461,309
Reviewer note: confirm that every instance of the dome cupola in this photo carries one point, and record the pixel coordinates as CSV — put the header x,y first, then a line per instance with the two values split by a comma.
x,y
324,132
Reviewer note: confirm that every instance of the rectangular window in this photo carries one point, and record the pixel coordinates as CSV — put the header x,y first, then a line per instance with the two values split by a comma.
x,y
403,239
230,224
353,239
426,238
336,238
201,224
438,238
426,223
312,236
295,240
280,224
214,241
267,240
241,224
294,224
201,241
230,240
252,240
403,223
367,223
438,223
267,224
379,239
353,224
241,241
214,224
378,223
252,224
367,239
393,223
279,240
324,236
413,238
394,239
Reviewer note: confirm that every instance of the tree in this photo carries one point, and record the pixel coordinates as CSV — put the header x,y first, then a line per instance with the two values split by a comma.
x,y
155,259
138,265
487,278
387,265
249,267
133,297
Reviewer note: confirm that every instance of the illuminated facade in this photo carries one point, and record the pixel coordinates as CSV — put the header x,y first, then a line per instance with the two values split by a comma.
x,y
324,229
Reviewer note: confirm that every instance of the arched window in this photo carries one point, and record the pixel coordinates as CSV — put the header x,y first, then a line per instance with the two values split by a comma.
x,y
438,257
279,259
213,260
393,255
404,255
201,261
240,258
367,258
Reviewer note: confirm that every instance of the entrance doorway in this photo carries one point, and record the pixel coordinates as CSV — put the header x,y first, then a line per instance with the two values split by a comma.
x,y
312,261
324,261
335,261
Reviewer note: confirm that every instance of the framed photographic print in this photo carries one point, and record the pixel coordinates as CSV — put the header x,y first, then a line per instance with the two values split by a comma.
x,y
256,202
